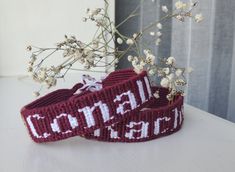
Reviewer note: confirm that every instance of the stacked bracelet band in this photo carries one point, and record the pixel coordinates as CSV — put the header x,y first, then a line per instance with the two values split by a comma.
x,y
120,109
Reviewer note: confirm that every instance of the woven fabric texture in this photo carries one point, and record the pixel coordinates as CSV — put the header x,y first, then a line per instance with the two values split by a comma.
x,y
123,110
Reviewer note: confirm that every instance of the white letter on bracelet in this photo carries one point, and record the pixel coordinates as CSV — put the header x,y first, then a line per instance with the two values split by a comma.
x,y
88,112
148,86
157,124
141,91
143,131
113,133
32,128
72,121
132,102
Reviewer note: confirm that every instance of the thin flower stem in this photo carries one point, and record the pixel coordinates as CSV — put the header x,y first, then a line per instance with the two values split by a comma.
x,y
86,70
131,15
38,65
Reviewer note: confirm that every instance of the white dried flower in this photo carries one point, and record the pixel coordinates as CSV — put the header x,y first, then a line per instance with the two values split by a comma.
x,y
116,60
119,40
178,72
129,41
68,52
42,74
198,18
164,8
152,33
30,69
180,5
50,81
82,61
189,70
142,63
151,72
90,57
159,25
150,59
94,12
36,94
130,58
78,54
138,69
156,95
171,76
180,18
165,82
166,70
101,22
34,76
147,51
180,82
57,69
30,63
135,61
87,66
33,58
95,44
135,35
170,61
158,41
29,48
159,33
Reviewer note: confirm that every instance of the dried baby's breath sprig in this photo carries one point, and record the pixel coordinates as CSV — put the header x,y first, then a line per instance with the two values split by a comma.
x,y
184,10
172,77
98,52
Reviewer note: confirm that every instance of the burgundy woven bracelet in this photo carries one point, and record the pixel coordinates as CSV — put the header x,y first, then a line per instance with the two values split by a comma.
x,y
160,118
122,110
63,113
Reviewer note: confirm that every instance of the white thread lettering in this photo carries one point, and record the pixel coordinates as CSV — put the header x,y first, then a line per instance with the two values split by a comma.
x,y
141,91
132,102
148,86
72,121
143,131
97,132
32,128
176,118
113,133
157,124
88,113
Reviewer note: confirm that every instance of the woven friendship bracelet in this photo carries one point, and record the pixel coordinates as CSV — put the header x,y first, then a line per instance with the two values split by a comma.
x,y
118,109
158,119
65,113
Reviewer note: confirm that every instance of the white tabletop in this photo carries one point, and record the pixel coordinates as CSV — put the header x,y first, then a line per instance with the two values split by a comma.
x,y
205,144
